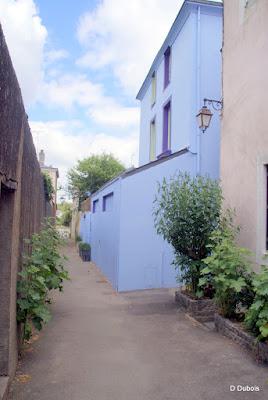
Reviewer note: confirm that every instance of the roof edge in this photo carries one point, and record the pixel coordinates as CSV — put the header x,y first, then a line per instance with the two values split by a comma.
x,y
182,15
133,171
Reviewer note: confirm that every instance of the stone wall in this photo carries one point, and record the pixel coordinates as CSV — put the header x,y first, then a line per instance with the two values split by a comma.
x,y
202,310
22,201
238,334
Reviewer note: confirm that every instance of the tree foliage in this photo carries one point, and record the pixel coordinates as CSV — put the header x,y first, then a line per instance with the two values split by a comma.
x,y
66,216
91,173
186,212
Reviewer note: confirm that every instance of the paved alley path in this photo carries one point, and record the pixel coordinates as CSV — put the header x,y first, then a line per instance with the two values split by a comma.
x,y
134,346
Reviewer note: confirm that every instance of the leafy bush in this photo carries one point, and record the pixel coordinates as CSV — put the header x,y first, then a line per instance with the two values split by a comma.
x,y
42,271
228,270
257,315
186,212
48,186
84,246
78,239
66,214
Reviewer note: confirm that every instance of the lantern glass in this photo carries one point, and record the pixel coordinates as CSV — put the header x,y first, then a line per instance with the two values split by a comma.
x,y
203,118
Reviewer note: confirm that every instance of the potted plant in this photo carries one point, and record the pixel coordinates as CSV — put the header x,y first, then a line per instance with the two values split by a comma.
x,y
85,251
186,212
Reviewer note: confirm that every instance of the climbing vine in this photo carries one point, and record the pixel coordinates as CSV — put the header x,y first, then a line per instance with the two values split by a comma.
x,y
48,186
42,271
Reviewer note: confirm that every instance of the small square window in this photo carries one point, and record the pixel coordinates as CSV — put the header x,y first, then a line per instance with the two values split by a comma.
x,y
107,202
95,206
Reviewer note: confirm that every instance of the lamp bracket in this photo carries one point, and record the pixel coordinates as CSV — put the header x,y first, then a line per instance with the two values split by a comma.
x,y
216,104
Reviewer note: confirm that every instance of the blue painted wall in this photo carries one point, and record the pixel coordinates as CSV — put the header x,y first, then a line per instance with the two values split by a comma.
x,y
85,226
195,75
145,258
124,241
105,232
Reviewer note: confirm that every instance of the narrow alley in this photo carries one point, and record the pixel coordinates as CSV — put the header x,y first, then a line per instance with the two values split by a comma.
x,y
101,345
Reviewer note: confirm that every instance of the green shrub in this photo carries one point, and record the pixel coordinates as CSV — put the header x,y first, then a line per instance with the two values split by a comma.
x,y
78,239
257,315
228,270
66,214
186,212
42,271
84,246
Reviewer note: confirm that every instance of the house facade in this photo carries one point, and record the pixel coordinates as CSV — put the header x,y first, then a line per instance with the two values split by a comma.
x,y
186,69
244,144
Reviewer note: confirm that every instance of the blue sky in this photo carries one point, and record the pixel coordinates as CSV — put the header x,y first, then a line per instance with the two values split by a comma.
x,y
80,64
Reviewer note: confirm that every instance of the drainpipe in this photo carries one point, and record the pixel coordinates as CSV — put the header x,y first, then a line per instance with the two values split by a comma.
x,y
198,105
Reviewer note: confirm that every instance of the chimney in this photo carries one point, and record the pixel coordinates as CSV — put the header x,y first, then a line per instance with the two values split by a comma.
x,y
42,158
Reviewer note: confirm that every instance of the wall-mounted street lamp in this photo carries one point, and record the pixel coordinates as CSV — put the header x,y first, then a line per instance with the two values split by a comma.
x,y
204,116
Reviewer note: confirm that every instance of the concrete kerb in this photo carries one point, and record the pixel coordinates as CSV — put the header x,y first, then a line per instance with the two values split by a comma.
x,y
4,386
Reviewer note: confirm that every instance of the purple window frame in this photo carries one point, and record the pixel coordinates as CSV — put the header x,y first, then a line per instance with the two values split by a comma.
x,y
167,67
95,203
166,110
104,199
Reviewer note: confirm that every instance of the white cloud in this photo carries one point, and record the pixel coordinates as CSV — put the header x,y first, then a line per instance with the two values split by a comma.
x,y
111,114
26,36
65,142
126,36
68,91
52,56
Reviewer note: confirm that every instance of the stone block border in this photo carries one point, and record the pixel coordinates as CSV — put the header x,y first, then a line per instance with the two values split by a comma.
x,y
4,386
202,310
235,332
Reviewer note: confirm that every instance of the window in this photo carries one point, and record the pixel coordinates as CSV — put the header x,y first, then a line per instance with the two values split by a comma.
x,y
167,67
95,206
153,99
166,127
152,140
107,202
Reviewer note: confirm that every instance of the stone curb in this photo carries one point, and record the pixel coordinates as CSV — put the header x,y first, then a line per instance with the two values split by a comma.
x,y
202,310
4,386
226,327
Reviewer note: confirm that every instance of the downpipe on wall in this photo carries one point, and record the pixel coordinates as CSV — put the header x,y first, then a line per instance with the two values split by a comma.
x,y
198,56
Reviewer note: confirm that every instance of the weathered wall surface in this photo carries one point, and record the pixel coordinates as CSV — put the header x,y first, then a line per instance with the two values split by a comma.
x,y
22,201
244,141
85,226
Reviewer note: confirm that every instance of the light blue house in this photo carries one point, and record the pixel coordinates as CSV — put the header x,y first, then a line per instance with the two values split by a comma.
x,y
186,70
